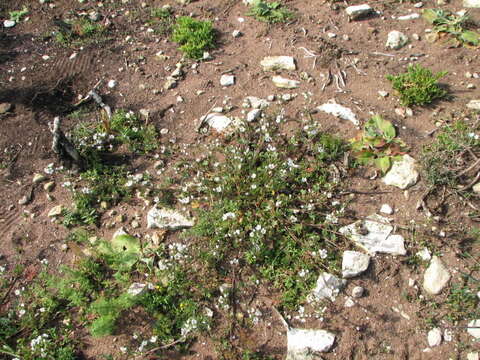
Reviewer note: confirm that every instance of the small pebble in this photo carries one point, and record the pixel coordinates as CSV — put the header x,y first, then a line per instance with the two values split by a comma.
x,y
357,292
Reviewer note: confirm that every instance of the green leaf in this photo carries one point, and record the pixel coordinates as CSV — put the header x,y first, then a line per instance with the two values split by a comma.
x,y
430,15
383,163
470,37
386,127
126,243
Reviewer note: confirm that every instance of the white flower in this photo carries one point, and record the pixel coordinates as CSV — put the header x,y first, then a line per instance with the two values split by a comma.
x,y
253,186
253,176
123,349
21,312
153,339
323,253
228,215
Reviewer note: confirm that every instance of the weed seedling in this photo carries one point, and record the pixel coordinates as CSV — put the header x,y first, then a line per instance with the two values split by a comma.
x,y
18,14
377,144
194,36
78,32
162,21
418,86
451,26
270,12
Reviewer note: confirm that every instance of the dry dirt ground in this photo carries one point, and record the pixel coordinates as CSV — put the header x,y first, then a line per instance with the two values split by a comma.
x,y
384,324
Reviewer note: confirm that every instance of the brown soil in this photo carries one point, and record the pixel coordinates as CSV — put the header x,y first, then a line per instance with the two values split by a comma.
x,y
48,88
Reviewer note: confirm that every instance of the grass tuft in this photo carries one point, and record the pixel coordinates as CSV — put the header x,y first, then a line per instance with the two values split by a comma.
x,y
194,36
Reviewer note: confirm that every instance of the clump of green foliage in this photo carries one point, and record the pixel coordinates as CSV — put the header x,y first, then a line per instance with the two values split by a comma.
x,y
269,208
453,26
162,21
18,14
418,86
194,36
79,32
270,12
378,144
462,303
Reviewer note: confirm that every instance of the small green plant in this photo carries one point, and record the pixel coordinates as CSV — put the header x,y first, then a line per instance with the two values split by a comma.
x,y
418,86
462,303
270,12
194,36
378,144
454,26
78,32
18,14
162,21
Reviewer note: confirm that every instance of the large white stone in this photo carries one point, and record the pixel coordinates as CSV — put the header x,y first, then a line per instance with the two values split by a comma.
x,y
328,286
281,82
218,121
434,337
339,111
474,104
473,356
436,277
403,173
474,328
167,219
254,115
471,3
271,63
396,40
358,11
302,343
136,289
354,263
9,23
374,235
227,80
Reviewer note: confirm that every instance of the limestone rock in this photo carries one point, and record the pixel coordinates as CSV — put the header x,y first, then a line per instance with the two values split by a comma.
x,y
328,286
471,3
339,111
55,211
281,82
396,40
374,235
38,178
473,356
302,343
227,80
359,11
403,173
434,337
136,289
474,328
272,63
386,209
474,104
436,277
167,219
48,187
218,122
257,103
357,292
9,23
354,263
254,115
5,107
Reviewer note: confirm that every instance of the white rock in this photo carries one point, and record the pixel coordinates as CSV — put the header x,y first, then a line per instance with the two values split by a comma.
x,y
424,254
272,63
412,16
436,277
471,3
474,328
256,102
354,263
167,219
349,302
396,40
328,286
383,93
358,11
281,82
447,335
473,356
474,104
9,23
112,84
386,209
339,111
357,292
302,342
236,33
254,115
55,211
403,173
218,122
434,337
136,289
374,235
227,80
418,5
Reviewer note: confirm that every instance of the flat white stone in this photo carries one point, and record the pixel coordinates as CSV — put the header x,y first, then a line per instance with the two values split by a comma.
x,y
272,63
473,356
471,3
9,23
55,211
474,328
354,263
403,173
227,80
396,40
474,104
302,342
283,83
436,277
339,111
386,209
374,235
218,121
167,219
257,103
328,286
409,17
358,11
434,337
136,289
254,115
424,254
357,292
